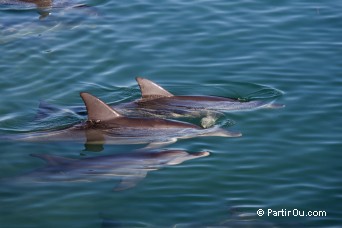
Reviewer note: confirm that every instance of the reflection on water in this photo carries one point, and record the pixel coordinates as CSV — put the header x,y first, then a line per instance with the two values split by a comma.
x,y
17,20
235,218
43,7
130,168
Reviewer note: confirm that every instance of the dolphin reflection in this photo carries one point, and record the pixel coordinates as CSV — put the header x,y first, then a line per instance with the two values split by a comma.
x,y
129,167
43,7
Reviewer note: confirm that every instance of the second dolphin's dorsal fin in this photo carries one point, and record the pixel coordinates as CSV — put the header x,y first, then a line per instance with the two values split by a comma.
x,y
97,109
150,90
53,160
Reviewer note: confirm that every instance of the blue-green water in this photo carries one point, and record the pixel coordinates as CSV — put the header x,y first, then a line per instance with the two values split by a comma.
x,y
287,158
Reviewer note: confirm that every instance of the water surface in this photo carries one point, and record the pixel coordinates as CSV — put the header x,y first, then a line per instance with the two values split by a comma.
x,y
286,159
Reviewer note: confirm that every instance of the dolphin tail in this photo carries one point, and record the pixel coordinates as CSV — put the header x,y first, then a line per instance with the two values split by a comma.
x,y
45,109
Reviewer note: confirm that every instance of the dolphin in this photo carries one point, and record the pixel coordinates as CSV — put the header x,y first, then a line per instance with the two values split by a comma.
x,y
234,219
129,167
105,125
65,15
155,99
43,7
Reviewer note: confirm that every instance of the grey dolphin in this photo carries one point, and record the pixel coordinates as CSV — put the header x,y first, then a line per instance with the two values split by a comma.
x,y
43,6
106,126
155,98
234,219
31,3
129,167
13,27
158,102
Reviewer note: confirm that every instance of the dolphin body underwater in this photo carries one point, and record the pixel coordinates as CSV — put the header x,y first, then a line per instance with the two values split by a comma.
x,y
106,126
155,99
43,7
54,15
129,167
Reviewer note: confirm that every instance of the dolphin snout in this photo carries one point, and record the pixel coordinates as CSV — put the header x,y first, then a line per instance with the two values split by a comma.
x,y
234,134
200,154
224,133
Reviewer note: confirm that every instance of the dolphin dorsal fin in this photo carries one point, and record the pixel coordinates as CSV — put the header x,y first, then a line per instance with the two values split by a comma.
x,y
53,160
97,109
150,90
